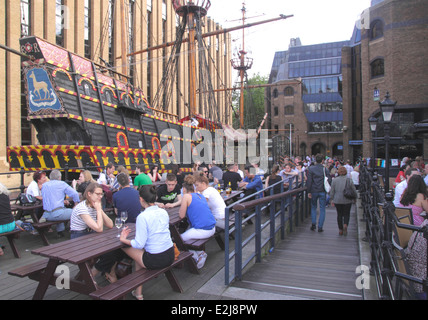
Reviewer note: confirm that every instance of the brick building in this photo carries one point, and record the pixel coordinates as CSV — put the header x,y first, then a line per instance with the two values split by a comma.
x,y
92,28
386,53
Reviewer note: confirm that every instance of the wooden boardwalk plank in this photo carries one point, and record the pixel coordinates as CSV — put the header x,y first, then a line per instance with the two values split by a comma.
x,y
310,264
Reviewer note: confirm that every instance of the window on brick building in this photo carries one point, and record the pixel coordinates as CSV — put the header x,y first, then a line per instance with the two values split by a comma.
x,y
275,93
289,110
289,91
376,30
377,68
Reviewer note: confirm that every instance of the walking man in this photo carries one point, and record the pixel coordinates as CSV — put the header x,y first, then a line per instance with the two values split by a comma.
x,y
317,192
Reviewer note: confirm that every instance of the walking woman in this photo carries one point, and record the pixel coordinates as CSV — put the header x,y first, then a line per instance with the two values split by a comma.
x,y
152,247
342,204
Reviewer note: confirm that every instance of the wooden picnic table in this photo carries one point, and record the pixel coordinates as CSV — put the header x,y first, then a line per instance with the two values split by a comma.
x,y
26,210
81,252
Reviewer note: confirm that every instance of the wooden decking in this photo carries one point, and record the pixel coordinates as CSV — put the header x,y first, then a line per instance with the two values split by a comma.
x,y
310,265
307,265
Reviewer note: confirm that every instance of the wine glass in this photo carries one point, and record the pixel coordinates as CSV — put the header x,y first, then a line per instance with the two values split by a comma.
x,y
124,216
118,223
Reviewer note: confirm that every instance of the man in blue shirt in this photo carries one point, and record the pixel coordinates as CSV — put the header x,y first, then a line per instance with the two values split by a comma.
x,y
127,199
53,194
252,183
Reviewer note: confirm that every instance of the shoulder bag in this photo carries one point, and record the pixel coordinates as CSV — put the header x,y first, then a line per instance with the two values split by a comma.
x,y
327,186
349,192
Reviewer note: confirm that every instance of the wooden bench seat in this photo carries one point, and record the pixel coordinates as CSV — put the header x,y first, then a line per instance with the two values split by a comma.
x,y
125,285
11,239
43,227
29,270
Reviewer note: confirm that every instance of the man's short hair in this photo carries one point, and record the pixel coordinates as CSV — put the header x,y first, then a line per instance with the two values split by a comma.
x,y
409,171
55,175
141,167
171,177
319,158
123,179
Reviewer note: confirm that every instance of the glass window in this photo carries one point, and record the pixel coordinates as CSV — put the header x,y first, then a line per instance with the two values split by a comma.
x,y
289,110
289,91
25,18
377,68
275,93
59,22
376,30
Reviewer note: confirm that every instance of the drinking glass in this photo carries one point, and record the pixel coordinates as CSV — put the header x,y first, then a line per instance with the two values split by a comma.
x,y
118,223
124,216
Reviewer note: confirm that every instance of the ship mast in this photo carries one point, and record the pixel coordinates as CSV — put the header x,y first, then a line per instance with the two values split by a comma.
x,y
242,64
193,10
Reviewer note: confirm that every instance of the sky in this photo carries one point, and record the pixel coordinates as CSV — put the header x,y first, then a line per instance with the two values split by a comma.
x,y
313,21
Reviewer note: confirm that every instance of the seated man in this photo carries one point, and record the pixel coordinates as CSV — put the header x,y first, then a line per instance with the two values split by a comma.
x,y
141,179
53,193
252,183
231,176
169,194
126,199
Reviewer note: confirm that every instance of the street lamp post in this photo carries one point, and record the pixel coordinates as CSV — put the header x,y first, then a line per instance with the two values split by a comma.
x,y
387,107
373,125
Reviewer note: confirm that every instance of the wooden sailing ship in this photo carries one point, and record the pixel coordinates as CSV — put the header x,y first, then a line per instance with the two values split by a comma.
x,y
85,115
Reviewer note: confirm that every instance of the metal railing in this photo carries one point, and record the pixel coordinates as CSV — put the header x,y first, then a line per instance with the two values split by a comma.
x,y
267,211
388,264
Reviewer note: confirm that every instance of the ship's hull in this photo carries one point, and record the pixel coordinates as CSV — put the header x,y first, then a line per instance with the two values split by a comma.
x,y
86,117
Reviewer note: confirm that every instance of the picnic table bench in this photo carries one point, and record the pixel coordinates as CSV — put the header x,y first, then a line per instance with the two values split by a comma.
x,y
41,227
119,289
80,251
11,239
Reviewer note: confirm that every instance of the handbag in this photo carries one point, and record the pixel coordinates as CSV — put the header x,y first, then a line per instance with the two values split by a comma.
x,y
327,186
349,192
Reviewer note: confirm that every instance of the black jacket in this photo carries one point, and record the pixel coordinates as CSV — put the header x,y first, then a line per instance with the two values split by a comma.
x,y
315,178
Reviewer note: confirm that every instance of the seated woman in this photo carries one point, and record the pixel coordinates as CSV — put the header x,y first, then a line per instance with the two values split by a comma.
x,y
85,178
7,221
152,247
154,174
87,217
214,199
273,178
199,215
415,196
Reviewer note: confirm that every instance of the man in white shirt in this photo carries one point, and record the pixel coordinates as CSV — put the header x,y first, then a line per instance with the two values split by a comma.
x,y
107,177
399,189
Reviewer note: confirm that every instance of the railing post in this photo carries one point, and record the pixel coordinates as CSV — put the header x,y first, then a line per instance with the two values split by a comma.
x,y
238,244
226,246
258,229
22,186
388,210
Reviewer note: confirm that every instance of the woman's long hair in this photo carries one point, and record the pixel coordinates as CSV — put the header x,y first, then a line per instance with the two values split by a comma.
x,y
90,188
275,170
415,185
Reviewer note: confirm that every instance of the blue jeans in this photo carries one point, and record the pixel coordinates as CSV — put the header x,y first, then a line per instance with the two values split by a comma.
x,y
321,196
60,214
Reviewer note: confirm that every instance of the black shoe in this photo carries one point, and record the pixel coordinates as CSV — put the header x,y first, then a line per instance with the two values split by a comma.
x,y
313,227
60,235
320,230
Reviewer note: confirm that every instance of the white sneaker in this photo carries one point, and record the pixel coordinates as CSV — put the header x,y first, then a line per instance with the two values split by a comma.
x,y
202,258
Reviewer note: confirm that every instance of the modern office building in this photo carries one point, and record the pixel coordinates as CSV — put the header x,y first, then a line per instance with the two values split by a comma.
x,y
314,119
92,29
